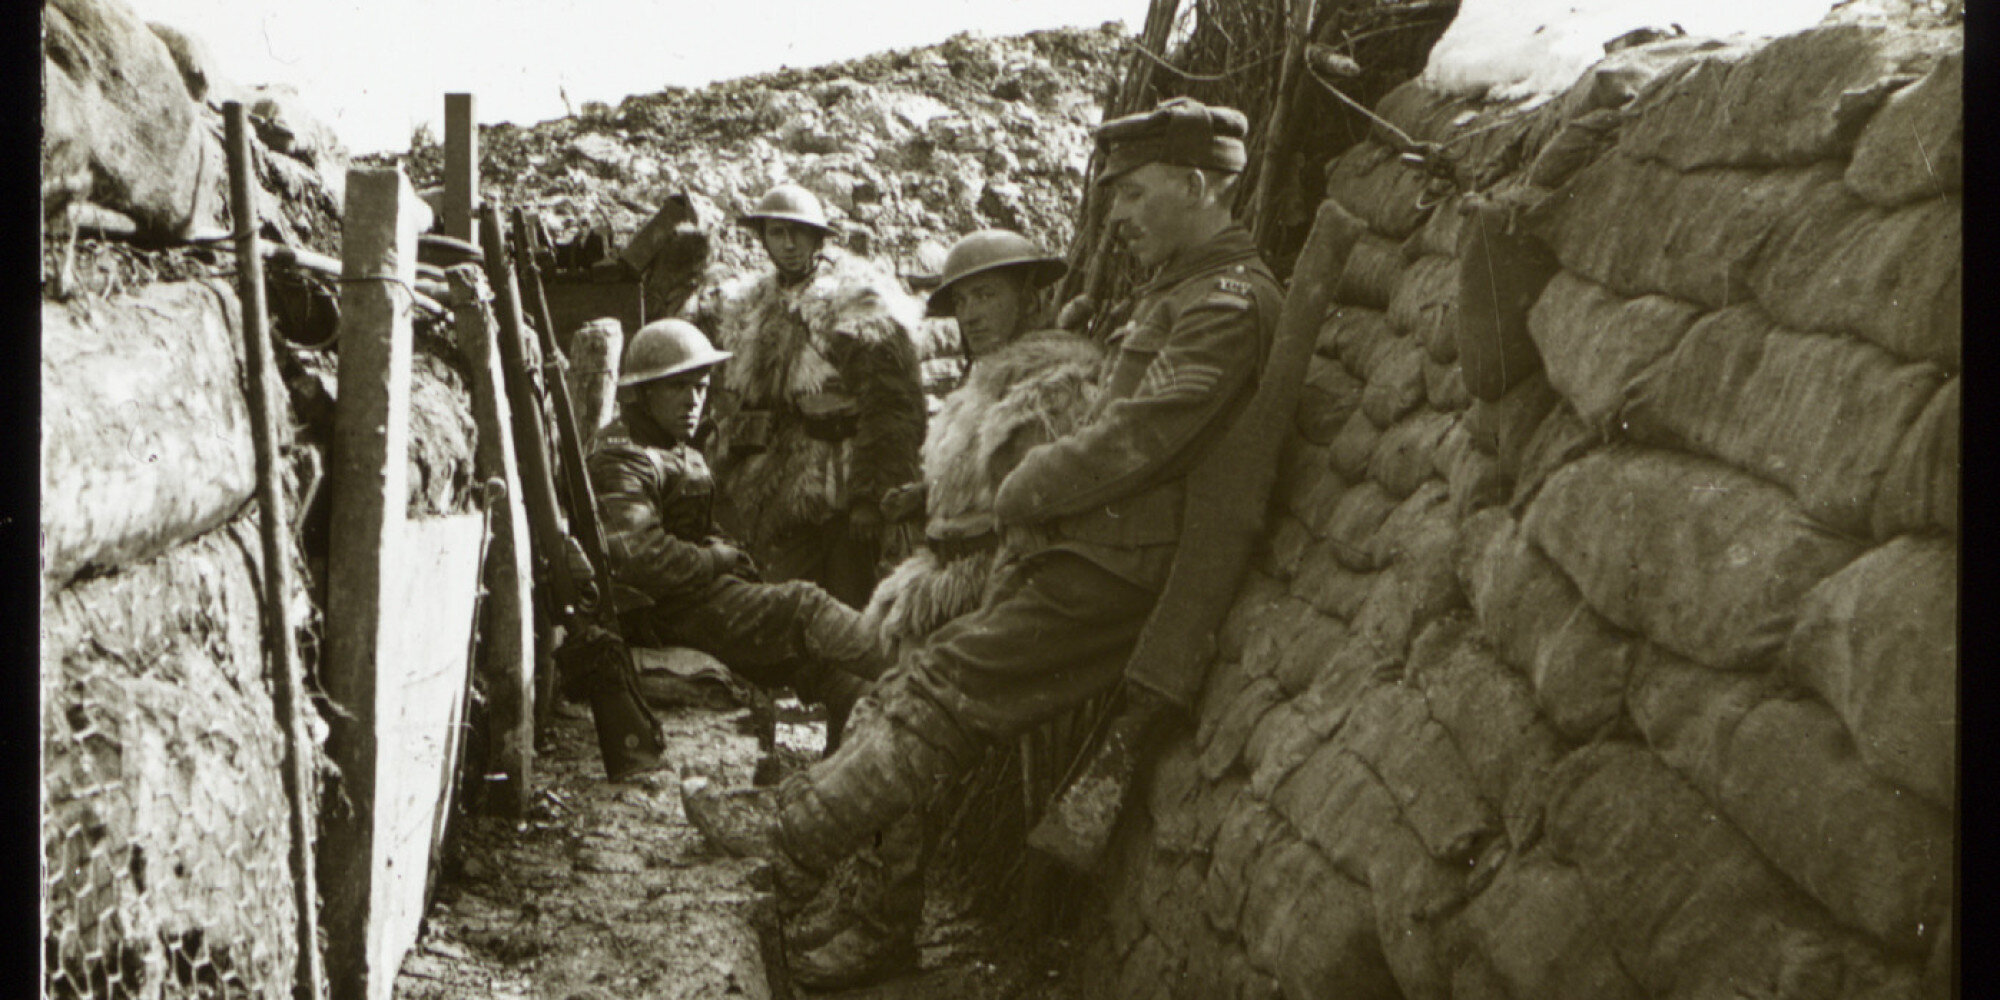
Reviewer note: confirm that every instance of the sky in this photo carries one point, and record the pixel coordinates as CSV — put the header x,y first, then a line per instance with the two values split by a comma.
x,y
374,70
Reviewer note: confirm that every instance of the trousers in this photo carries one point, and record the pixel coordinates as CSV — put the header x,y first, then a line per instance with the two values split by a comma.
x,y
1054,633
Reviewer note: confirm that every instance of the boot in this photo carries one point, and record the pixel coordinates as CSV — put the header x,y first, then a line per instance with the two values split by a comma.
x,y
743,822
861,954
882,885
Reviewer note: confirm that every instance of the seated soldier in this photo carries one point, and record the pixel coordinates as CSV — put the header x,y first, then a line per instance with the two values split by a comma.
x,y
1060,623
675,580
1026,386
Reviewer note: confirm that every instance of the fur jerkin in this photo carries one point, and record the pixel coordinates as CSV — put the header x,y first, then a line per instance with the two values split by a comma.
x,y
1027,393
781,338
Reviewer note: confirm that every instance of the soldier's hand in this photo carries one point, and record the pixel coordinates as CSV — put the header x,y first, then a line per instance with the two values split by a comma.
x,y
905,502
734,561
1076,313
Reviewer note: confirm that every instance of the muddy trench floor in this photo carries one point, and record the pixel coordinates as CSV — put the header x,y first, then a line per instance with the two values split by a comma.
x,y
605,891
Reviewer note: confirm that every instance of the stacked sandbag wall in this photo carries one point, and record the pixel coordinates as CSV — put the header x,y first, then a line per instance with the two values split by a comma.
x,y
165,827
1604,642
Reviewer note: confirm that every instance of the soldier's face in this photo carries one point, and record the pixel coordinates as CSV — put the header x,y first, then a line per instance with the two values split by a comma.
x,y
676,403
1151,208
990,309
790,245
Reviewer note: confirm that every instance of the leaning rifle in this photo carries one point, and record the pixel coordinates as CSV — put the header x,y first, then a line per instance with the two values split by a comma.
x,y
593,655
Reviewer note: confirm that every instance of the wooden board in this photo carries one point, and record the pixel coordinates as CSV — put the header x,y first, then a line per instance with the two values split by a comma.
x,y
432,581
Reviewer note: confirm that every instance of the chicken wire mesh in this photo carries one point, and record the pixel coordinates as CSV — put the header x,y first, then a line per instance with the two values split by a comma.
x,y
165,835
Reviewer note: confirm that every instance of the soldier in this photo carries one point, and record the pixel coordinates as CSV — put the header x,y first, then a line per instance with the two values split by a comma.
x,y
1059,624
822,411
674,579
1026,386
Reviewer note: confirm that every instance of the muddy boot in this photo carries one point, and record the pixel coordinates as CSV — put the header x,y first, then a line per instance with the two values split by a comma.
x,y
871,932
882,885
743,822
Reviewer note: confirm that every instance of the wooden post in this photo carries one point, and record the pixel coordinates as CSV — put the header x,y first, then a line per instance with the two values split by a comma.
x,y
461,168
274,529
508,653
370,490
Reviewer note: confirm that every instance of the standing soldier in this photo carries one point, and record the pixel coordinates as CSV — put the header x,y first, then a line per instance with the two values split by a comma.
x,y
1026,386
1059,625
822,411
675,580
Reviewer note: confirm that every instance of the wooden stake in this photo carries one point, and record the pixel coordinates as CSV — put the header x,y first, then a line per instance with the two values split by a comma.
x,y
369,473
508,653
461,168
273,529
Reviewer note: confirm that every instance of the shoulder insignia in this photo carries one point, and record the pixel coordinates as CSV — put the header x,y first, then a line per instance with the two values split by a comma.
x,y
1234,286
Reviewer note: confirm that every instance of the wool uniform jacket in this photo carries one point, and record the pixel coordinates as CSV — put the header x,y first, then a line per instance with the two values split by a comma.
x,y
655,498
830,367
1025,394
1113,490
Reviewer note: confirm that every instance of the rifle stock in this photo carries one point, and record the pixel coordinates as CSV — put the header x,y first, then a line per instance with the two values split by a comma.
x,y
593,653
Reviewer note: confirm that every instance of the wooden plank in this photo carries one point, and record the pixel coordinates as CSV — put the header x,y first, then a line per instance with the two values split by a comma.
x,y
434,582
461,168
507,650
369,477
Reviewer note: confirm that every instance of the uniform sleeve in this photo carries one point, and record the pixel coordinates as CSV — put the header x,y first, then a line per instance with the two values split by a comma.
x,y
884,378
643,555
1208,358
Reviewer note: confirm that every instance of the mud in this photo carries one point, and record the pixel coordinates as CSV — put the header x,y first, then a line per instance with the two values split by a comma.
x,y
604,890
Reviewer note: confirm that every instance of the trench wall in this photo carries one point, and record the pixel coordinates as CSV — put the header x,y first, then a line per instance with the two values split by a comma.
x,y
1604,640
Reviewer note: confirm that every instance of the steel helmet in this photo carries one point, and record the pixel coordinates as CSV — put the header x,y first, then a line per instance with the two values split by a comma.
x,y
986,250
791,203
666,348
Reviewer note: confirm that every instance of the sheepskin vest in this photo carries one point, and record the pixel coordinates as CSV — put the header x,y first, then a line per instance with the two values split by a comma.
x,y
1032,391
841,342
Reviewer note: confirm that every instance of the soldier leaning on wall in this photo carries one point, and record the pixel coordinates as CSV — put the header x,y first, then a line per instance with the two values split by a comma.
x,y
1061,622
675,579
822,411
1025,386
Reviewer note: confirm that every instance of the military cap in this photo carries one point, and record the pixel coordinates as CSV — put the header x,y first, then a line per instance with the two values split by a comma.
x,y
1181,131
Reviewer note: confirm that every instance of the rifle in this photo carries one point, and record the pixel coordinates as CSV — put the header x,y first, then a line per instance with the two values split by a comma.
x,y
594,655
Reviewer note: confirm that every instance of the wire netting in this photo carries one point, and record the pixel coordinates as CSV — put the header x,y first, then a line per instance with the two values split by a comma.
x,y
165,840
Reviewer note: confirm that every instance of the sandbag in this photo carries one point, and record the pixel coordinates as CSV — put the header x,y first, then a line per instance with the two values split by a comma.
x,y
1319,639
1593,341
1639,228
1536,927
1283,545
1395,384
1313,927
1424,307
1373,270
1518,595
1920,488
1444,387
1419,584
1835,264
1238,842
1683,899
1501,427
1471,476
1353,448
1402,459
1370,182
1880,860
117,101
1800,99
1308,486
1687,712
1704,560
1330,586
1818,415
1439,234
594,353
145,427
1501,273
1488,711
1915,146
1559,439
1329,397
1878,641
1260,604
1358,337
